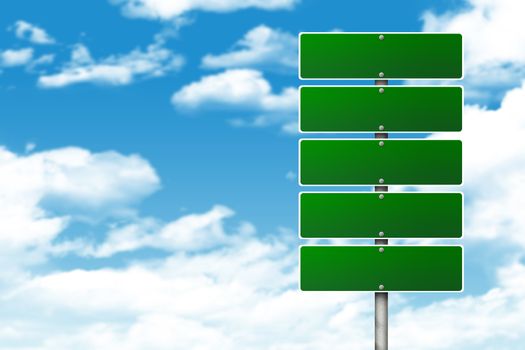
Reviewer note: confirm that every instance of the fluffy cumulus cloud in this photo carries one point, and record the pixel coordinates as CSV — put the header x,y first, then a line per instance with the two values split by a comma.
x,y
72,176
27,31
494,43
155,61
260,47
168,9
16,57
243,89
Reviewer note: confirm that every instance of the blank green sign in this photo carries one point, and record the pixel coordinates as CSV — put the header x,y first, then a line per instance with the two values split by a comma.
x,y
380,162
384,108
366,268
396,215
366,56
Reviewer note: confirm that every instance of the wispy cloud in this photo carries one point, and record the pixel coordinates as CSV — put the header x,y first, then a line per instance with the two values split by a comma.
x,y
190,233
42,60
168,9
36,35
260,47
155,61
241,89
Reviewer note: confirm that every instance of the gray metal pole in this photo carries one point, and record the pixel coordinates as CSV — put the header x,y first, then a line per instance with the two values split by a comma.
x,y
381,298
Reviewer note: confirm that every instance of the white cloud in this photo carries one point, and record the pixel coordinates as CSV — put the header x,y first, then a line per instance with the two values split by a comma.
x,y
232,289
261,46
43,60
36,35
30,146
81,55
193,232
94,179
235,87
243,89
493,169
168,9
114,70
235,290
76,178
242,294
12,57
494,43
494,320
24,57
98,74
238,295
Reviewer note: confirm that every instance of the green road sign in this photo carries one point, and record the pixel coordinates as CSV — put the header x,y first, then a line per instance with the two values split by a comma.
x,y
379,162
380,56
380,215
380,108
381,268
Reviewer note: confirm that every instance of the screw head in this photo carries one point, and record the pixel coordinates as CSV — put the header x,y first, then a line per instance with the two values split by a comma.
x,y
381,180
381,249
381,127
381,74
381,90
381,234
381,196
381,287
381,37
381,143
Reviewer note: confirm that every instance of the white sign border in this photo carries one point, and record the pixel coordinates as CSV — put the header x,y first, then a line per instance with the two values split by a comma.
x,y
385,78
378,290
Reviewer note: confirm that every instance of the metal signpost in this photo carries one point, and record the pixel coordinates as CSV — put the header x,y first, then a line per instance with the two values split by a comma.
x,y
380,162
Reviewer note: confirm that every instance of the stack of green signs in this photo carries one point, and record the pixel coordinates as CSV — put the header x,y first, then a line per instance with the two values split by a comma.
x,y
380,162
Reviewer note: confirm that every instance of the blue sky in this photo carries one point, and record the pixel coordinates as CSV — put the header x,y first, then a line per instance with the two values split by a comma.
x,y
185,148
148,164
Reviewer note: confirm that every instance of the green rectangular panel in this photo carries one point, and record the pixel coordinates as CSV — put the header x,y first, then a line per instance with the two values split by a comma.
x,y
396,268
379,162
366,56
395,215
380,108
